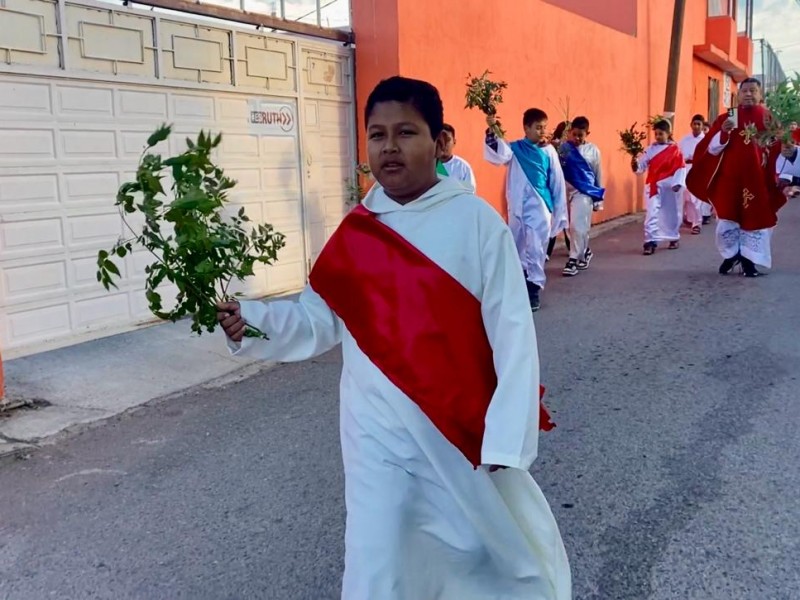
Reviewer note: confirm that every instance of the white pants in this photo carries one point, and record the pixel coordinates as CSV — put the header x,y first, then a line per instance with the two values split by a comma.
x,y
531,236
581,208
755,246
664,215
693,209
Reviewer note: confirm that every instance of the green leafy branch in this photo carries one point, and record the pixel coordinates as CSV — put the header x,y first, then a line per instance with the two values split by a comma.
x,y
195,245
784,107
485,95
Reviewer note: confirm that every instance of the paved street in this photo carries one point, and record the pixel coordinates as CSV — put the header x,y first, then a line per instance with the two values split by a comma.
x,y
673,472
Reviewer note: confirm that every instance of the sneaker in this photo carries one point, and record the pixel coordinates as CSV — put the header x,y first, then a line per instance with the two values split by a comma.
x,y
649,248
536,302
588,256
706,220
571,268
582,265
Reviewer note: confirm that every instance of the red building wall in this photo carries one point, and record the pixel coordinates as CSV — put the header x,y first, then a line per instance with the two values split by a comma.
x,y
548,52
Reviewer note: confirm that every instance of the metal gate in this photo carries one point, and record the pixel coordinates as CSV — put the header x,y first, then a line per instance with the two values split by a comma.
x,y
82,84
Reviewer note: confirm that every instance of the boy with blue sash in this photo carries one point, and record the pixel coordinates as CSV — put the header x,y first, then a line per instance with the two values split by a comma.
x,y
536,194
580,161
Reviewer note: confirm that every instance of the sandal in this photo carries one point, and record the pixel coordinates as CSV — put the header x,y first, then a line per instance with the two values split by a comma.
x,y
674,245
696,230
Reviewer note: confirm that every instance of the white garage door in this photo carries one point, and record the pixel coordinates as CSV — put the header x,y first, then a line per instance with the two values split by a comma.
x,y
73,124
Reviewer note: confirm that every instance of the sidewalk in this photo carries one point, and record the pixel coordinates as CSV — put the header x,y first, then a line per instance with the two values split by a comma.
x,y
87,383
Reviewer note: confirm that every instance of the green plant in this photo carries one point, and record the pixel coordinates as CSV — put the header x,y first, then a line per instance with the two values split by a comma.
x,y
485,94
784,107
632,139
195,245
358,185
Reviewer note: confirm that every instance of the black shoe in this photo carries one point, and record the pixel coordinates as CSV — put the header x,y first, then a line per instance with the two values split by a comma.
x,y
728,264
533,295
571,268
649,248
706,220
749,268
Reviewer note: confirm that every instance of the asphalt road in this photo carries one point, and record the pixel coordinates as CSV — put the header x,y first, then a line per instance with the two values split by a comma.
x,y
673,472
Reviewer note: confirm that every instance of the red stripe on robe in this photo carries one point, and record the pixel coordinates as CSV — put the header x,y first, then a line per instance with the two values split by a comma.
x,y
741,183
664,165
416,323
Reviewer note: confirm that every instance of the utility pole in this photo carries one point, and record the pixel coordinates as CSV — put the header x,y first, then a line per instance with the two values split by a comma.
x,y
673,68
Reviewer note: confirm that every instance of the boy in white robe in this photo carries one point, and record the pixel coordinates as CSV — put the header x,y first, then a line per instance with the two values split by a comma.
x,y
439,394
666,178
456,167
582,167
694,208
535,193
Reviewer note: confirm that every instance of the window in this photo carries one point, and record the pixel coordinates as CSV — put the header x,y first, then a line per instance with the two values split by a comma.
x,y
721,8
744,17
713,99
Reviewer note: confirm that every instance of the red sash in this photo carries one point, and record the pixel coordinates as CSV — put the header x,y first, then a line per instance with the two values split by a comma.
x,y
416,323
664,165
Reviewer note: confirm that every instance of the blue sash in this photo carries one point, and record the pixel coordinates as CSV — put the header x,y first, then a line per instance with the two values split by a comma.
x,y
536,166
578,173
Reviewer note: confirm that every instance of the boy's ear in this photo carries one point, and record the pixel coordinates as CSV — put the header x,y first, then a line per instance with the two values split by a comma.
x,y
440,144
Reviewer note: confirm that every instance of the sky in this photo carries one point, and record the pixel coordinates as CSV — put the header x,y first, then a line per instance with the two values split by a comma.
x,y
778,21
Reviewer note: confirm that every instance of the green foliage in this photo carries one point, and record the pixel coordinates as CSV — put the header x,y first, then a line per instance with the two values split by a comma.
x,y
784,106
485,94
632,139
194,244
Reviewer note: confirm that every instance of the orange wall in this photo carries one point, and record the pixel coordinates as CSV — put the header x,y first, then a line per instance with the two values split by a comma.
x,y
546,54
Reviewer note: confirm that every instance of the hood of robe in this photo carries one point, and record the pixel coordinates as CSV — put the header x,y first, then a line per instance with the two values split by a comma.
x,y
378,202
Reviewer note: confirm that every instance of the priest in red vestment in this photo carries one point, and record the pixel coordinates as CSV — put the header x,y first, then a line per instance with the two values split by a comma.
x,y
736,174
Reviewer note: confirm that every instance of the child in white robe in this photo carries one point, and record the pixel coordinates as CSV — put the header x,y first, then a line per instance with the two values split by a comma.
x,y
694,208
535,192
423,520
666,178
456,167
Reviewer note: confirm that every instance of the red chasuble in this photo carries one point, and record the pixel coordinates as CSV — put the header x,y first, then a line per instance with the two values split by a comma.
x,y
663,165
416,323
741,182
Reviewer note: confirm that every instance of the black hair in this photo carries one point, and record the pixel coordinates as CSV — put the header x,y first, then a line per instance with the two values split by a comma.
x,y
533,115
662,125
450,128
558,133
751,80
698,117
580,123
419,94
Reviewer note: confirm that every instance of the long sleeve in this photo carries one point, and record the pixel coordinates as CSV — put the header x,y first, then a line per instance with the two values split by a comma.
x,y
716,146
642,163
558,191
496,150
597,165
472,181
297,330
679,178
512,422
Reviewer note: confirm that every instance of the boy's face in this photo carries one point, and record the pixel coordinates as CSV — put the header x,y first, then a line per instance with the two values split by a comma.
x,y
536,132
662,137
447,143
697,127
578,136
401,151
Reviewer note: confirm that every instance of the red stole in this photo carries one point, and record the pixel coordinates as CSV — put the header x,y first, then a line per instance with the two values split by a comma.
x,y
415,322
664,165
741,183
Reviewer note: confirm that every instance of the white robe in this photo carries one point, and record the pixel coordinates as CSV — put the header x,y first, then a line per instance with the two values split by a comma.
x,y
665,208
731,239
421,522
581,206
530,220
694,208
460,170
786,169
